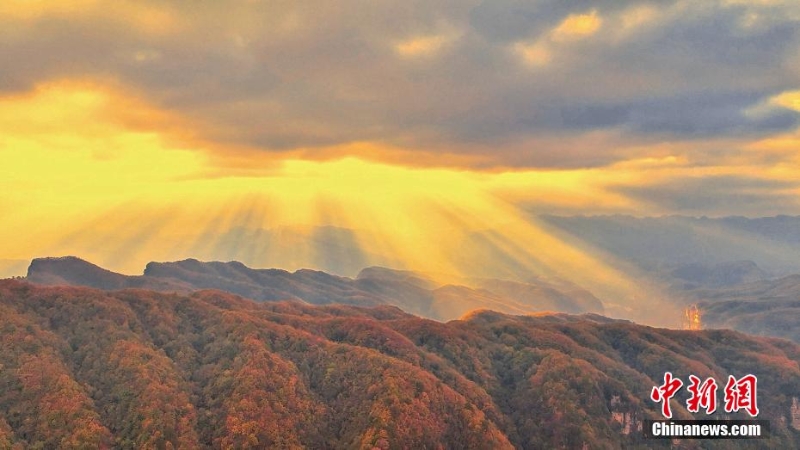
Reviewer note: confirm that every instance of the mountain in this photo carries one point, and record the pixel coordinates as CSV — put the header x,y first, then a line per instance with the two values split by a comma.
x,y
69,270
373,286
551,295
772,243
778,318
86,368
698,276
783,288
766,308
396,276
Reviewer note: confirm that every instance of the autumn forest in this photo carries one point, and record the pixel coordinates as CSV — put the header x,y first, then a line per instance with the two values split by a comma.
x,y
84,368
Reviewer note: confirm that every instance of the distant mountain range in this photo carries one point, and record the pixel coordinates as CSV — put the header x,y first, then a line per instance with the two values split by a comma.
x,y
738,269
412,292
767,308
134,368
734,295
652,243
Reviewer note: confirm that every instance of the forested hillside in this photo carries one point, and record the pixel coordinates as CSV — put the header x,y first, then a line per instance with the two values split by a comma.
x,y
84,368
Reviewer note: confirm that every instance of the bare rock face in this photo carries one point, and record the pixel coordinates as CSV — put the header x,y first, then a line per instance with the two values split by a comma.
x,y
794,413
628,418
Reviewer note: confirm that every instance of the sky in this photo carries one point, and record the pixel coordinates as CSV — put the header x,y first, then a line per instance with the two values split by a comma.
x,y
414,134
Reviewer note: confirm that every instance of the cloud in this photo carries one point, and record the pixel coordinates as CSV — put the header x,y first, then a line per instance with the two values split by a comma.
x,y
788,99
511,20
499,81
427,45
577,26
709,114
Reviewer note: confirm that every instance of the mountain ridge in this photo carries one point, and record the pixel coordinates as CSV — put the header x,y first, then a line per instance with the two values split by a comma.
x,y
771,242
373,286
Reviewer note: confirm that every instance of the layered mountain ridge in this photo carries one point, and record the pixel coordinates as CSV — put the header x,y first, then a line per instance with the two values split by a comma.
x,y
772,243
373,286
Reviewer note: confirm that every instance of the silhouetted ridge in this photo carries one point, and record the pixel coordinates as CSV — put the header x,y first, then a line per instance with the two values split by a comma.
x,y
404,276
70,270
73,270
410,291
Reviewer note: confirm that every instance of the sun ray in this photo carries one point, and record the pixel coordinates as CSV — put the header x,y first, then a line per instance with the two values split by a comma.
x,y
123,196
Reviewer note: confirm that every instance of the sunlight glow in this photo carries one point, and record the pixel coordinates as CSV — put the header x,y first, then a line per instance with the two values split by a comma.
x,y
788,99
145,16
534,55
85,179
424,45
577,26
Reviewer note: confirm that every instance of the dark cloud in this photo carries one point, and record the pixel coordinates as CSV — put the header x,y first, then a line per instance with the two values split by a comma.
x,y
708,114
310,74
718,36
595,116
718,195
